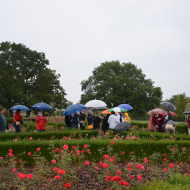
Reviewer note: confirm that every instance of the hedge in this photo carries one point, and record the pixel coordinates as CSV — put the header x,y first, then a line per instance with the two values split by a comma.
x,y
48,135
142,148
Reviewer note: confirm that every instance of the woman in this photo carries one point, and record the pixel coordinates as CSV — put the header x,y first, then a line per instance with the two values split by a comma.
x,y
150,125
97,121
105,124
17,121
113,120
158,121
126,117
188,121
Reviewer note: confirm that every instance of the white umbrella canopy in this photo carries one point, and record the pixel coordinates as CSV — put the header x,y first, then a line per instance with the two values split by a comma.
x,y
95,104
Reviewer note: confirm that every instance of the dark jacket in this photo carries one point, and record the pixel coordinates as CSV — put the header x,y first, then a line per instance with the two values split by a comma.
x,y
97,122
169,118
90,120
68,119
105,124
82,116
1,123
75,119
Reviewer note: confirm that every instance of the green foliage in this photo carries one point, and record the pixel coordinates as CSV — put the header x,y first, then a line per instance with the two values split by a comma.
x,y
6,112
179,117
25,78
182,101
116,83
46,114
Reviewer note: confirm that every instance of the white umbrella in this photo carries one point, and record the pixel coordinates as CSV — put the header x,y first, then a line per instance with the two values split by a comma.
x,y
95,104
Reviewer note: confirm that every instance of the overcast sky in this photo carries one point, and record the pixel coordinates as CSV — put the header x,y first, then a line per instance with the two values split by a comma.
x,y
78,35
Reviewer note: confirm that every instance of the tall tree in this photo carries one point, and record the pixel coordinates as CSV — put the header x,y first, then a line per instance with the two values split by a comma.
x,y
182,101
25,78
124,83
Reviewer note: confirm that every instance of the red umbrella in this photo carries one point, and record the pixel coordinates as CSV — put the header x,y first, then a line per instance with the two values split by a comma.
x,y
171,112
159,110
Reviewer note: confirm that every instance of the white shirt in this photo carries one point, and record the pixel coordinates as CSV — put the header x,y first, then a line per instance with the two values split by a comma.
x,y
113,121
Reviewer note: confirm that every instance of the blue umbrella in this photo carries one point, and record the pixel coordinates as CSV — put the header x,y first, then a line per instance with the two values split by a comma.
x,y
73,108
125,106
20,107
42,106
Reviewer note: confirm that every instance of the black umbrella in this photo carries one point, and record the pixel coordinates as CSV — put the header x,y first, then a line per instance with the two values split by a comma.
x,y
99,108
186,112
168,105
124,126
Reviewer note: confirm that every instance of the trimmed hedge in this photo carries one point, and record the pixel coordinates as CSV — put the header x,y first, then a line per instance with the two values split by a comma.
x,y
48,135
148,147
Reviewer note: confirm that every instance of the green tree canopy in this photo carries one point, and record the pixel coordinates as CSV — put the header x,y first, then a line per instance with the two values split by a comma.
x,y
25,78
124,83
182,101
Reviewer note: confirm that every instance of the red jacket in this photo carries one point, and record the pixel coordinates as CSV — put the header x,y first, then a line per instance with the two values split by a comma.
x,y
40,123
188,121
17,117
161,122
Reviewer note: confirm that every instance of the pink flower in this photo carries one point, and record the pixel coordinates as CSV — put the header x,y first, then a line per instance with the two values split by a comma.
x,y
38,149
72,151
13,170
30,138
20,161
142,167
1,158
10,154
55,169
65,146
29,153
112,142
138,166
85,146
54,161
145,160
10,150
100,163
87,162
106,157
96,168
123,153
18,174
64,138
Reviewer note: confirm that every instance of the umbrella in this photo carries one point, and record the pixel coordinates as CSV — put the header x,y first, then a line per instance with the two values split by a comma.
x,y
125,106
20,107
124,126
42,106
186,112
106,112
74,108
117,109
159,110
172,113
99,108
168,105
95,104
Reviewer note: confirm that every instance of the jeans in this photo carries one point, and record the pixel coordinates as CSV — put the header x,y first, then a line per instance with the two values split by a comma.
x,y
40,130
17,127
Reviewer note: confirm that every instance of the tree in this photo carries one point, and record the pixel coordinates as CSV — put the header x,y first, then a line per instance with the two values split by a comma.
x,y
182,101
25,78
172,100
124,83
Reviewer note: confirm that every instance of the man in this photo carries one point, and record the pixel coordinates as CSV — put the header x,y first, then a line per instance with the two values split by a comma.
x,y
76,121
113,120
158,121
3,121
97,121
168,116
68,119
40,122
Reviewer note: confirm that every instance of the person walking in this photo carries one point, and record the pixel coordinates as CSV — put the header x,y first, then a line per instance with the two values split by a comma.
x,y
40,122
17,121
105,124
113,120
188,121
90,120
3,121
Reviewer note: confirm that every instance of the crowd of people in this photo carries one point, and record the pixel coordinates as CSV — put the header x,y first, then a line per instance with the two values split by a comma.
x,y
162,123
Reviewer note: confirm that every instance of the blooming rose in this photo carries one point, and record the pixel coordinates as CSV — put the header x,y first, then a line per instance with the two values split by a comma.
x,y
54,161
118,172
55,169
57,177
38,149
138,166
106,157
30,138
62,172
122,182
29,176
105,165
112,142
96,168
87,162
123,153
65,146
13,170
108,178
57,149
129,165
171,165
67,185
29,153
82,151
85,146
164,155
73,147
100,163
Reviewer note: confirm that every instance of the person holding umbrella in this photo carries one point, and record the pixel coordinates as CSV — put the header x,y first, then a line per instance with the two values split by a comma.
x,y
126,117
40,122
105,124
3,121
17,121
158,121
113,120
76,121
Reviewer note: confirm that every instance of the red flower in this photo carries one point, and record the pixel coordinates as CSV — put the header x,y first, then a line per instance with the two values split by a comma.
x,y
61,172
122,182
57,177
132,177
38,149
105,165
29,153
67,185
130,169
65,146
171,165
82,151
78,154
126,184
85,146
164,155
100,163
129,165
112,142
10,150
173,149
30,138
111,160
29,176
113,157
108,178
73,147
53,161
165,159
87,162
13,170
22,176
55,169
118,178
180,164
106,157
145,160
64,138
114,178
184,148
10,154
57,149
96,168
18,174
138,166
118,172
166,169
123,153
139,177
20,161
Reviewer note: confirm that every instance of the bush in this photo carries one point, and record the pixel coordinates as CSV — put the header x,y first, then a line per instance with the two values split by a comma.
x,y
179,118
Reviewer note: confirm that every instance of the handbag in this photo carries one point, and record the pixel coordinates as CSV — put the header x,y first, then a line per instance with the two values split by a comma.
x,y
169,127
17,122
89,126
